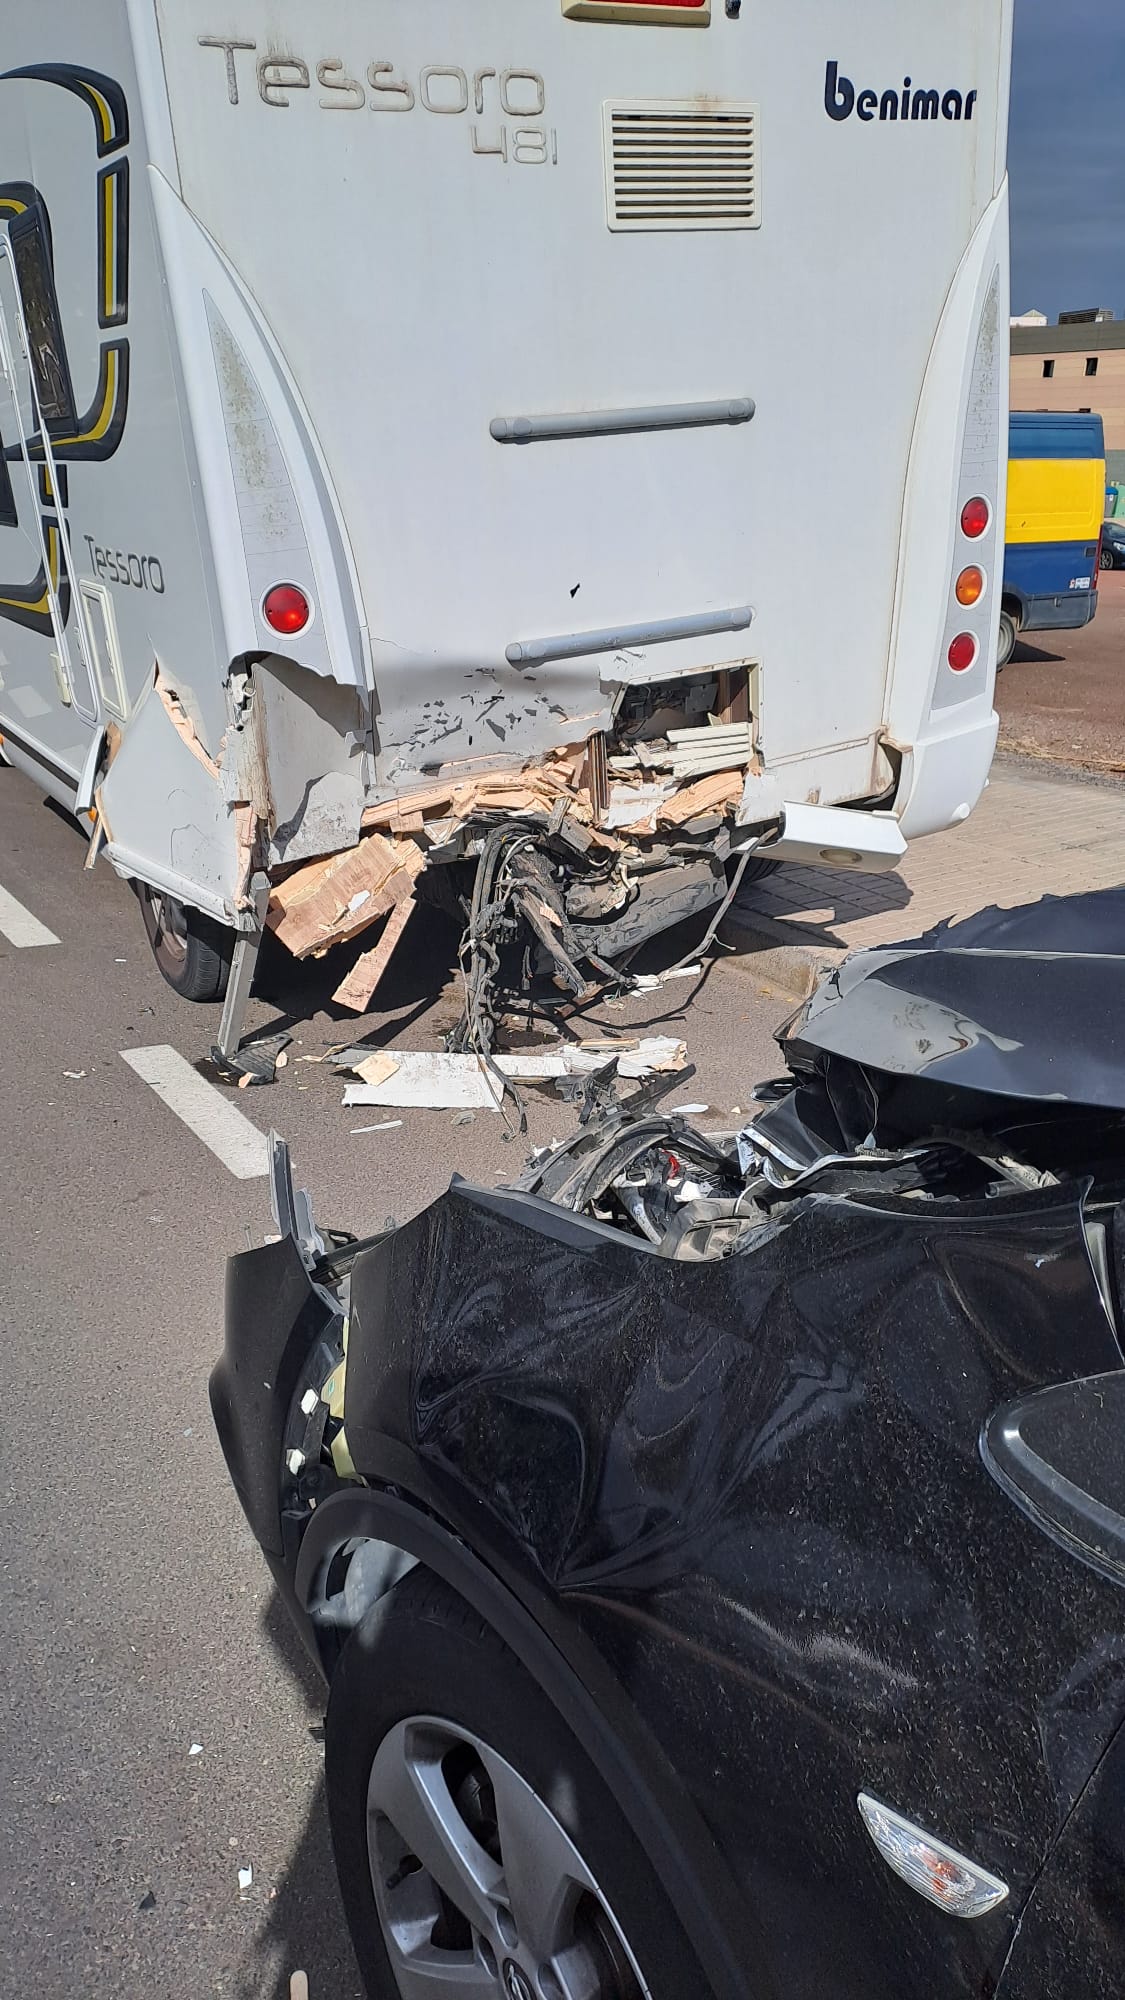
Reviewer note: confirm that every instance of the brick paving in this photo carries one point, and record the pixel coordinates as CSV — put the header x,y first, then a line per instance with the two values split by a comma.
x,y
1032,834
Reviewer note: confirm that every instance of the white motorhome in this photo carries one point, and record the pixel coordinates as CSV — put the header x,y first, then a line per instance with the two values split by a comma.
x,y
572,423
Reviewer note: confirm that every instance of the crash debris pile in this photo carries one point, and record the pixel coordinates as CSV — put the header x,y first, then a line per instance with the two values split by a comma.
x,y
563,846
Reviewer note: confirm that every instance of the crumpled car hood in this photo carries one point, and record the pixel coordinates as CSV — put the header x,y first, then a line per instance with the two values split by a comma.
x,y
1026,1004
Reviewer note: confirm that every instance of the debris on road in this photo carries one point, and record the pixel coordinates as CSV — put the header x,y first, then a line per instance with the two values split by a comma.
x,y
195,1750
147,1902
256,1062
648,982
245,1880
74,1074
425,1080
388,1125
373,1069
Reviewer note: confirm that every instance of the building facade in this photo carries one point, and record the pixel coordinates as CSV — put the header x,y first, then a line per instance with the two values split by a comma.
x,y
1074,367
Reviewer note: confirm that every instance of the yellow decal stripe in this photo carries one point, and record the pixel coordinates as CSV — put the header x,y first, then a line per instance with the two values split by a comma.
x,y
109,186
9,201
103,111
105,415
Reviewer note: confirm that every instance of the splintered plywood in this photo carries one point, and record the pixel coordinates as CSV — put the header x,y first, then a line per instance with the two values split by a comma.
x,y
713,794
333,900
357,990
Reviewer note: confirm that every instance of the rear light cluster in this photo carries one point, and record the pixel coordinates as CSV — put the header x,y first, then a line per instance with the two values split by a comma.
x,y
969,589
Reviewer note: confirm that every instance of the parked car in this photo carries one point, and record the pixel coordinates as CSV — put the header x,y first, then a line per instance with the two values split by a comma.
x,y
714,1544
1113,545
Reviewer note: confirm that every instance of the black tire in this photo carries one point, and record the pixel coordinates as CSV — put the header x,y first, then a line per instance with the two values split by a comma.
x,y
422,1652
754,871
1006,643
1105,557
192,952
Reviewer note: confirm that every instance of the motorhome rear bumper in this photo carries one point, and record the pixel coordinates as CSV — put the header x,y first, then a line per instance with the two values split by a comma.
x,y
944,776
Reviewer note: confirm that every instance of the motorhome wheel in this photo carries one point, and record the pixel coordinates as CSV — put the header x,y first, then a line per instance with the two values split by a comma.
x,y
192,951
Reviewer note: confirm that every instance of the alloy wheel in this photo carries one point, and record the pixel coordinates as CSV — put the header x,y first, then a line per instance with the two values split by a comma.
x,y
480,1891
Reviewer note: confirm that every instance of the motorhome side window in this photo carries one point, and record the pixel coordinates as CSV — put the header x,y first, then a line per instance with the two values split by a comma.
x,y
36,280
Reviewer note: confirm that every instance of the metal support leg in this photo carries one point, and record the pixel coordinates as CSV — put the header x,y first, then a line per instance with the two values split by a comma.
x,y
247,946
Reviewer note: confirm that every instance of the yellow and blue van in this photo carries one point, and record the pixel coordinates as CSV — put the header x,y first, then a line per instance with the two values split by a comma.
x,y
1056,500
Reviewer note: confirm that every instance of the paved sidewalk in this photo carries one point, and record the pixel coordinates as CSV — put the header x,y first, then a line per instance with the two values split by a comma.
x,y
1033,834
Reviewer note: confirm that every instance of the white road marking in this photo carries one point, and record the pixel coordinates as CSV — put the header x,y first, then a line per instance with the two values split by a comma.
x,y
18,924
203,1109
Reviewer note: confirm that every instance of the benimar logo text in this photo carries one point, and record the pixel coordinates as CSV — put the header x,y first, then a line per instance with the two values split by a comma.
x,y
908,105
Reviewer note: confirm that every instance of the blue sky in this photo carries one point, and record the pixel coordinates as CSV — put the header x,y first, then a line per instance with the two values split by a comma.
x,y
1067,155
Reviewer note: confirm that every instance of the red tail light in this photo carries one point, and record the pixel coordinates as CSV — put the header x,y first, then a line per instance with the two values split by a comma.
x,y
286,609
962,652
975,517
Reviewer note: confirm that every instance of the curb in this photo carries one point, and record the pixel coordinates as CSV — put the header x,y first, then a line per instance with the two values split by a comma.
x,y
768,951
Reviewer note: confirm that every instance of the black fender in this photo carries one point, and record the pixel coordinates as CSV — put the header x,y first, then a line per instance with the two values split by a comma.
x,y
578,1683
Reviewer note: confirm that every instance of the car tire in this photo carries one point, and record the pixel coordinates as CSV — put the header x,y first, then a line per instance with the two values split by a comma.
x,y
433,1722
1006,643
192,952
1106,559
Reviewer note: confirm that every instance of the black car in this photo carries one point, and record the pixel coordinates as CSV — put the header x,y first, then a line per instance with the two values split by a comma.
x,y
1112,554
715,1545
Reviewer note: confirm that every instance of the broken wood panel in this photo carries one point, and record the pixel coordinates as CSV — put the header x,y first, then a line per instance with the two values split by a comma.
x,y
712,794
358,988
332,900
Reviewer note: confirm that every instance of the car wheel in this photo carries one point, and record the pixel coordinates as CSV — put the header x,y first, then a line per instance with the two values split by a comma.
x,y
1006,644
192,952
1105,557
478,1850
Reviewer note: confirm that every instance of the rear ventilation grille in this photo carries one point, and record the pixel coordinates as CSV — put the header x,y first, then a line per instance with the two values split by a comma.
x,y
679,166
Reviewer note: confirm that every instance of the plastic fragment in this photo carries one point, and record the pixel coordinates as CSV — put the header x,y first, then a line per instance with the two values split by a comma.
x,y
148,1901
309,1401
245,1879
295,1460
195,1750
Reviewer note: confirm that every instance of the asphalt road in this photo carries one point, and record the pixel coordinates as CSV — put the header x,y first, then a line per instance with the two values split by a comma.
x,y
1062,696
138,1618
